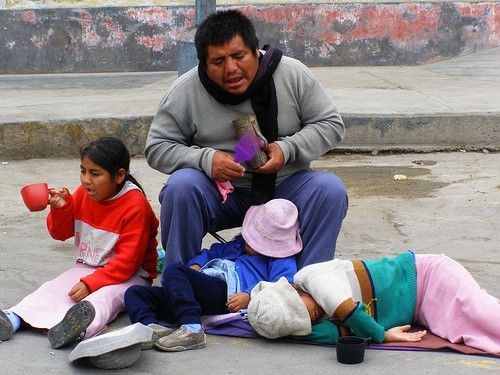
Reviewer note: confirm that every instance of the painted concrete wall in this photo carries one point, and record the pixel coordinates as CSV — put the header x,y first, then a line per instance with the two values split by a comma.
x,y
69,38
45,4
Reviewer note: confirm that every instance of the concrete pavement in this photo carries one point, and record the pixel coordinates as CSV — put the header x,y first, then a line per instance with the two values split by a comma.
x,y
449,204
448,105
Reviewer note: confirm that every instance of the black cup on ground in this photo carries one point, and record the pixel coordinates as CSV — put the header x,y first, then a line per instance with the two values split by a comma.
x,y
350,349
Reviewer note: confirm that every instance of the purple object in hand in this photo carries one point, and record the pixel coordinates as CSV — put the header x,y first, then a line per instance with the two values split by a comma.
x,y
247,147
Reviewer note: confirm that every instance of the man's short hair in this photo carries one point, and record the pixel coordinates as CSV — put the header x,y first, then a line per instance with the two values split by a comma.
x,y
220,27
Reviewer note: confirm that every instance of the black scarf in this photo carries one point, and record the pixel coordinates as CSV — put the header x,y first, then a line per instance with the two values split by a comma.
x,y
262,94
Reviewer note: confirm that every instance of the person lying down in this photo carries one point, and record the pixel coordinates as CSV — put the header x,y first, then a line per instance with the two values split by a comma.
x,y
379,299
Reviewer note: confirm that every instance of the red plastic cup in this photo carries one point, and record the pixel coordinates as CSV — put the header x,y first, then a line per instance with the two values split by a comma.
x,y
35,196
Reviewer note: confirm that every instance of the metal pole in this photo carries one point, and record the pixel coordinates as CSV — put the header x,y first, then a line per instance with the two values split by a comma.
x,y
203,8
187,58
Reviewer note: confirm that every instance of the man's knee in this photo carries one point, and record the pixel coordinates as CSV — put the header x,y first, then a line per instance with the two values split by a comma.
x,y
327,195
329,184
185,182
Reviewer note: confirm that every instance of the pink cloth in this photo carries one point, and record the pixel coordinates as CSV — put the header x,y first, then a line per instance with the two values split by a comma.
x,y
47,305
453,306
225,188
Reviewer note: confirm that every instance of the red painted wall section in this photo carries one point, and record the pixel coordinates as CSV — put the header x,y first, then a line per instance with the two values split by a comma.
x,y
403,23
146,38
495,35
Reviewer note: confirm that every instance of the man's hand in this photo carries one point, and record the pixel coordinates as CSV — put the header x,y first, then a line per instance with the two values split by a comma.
x,y
224,168
195,267
398,334
276,159
78,292
238,301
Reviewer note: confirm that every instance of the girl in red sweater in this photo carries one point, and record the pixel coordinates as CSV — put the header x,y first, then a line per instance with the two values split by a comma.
x,y
114,229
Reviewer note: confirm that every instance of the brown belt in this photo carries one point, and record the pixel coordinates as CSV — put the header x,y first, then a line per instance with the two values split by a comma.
x,y
366,287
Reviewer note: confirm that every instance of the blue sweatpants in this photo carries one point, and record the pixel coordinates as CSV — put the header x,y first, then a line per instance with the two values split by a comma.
x,y
184,296
191,207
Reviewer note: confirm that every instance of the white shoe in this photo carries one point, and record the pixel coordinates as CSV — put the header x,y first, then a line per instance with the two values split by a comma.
x,y
115,349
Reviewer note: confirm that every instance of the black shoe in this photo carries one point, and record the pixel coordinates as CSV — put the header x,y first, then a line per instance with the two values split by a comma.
x,y
6,329
73,325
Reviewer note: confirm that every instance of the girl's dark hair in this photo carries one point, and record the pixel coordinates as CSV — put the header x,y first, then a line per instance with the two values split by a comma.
x,y
110,154
220,27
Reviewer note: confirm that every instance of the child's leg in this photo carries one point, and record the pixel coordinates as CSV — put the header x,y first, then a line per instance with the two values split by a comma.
x,y
108,302
453,305
147,304
46,306
192,293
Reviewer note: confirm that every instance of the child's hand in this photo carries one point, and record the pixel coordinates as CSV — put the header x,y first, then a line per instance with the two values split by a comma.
x,y
57,197
238,301
195,267
399,334
78,292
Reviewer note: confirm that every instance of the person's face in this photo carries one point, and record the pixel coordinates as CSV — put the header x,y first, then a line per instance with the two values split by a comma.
x,y
314,309
98,182
232,65
249,250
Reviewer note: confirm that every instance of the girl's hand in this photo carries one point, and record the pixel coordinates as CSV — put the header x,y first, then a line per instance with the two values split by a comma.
x,y
78,292
57,197
399,334
238,301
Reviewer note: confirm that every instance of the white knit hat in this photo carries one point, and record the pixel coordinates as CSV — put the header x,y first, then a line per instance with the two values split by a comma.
x,y
276,310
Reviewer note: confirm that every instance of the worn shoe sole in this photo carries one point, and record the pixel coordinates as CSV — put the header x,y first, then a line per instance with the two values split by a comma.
x,y
74,323
118,358
181,348
6,329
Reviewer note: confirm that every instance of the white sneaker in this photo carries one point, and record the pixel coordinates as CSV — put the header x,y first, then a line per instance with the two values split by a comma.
x,y
115,349
182,339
